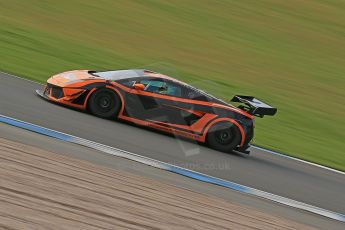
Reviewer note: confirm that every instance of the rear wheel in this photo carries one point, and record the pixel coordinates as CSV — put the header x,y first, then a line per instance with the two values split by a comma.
x,y
104,103
223,136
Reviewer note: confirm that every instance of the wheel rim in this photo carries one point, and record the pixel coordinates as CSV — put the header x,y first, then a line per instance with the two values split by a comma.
x,y
104,102
224,136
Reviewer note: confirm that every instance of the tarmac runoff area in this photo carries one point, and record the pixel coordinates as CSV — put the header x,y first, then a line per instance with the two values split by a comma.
x,y
64,186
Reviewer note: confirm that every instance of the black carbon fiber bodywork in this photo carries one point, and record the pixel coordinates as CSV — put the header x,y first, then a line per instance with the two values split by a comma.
x,y
80,100
170,112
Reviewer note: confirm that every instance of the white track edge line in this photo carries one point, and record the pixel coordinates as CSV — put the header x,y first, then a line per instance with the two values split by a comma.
x,y
168,167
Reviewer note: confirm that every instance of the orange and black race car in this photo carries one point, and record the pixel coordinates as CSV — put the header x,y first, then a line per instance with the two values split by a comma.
x,y
157,101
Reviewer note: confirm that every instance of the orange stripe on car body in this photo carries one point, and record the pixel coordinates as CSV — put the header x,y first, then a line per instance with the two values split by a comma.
x,y
197,113
162,128
197,127
189,101
225,119
87,97
121,98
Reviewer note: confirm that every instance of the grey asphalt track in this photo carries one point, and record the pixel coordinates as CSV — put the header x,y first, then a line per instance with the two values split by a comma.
x,y
274,174
83,153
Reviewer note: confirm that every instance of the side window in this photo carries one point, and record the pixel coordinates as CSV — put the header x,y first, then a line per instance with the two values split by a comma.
x,y
162,87
127,82
174,89
153,86
194,94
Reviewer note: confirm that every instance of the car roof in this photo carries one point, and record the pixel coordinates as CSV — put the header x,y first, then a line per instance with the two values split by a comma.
x,y
114,75
119,74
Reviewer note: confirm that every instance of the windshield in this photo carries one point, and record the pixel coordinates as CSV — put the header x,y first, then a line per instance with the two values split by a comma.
x,y
119,74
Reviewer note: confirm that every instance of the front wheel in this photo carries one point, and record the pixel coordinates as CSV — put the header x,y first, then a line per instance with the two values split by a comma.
x,y
223,136
104,103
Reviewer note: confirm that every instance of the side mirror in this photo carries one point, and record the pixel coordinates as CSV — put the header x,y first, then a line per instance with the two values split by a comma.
x,y
139,86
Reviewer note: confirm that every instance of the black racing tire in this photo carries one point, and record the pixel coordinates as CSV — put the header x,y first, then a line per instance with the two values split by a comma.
x,y
104,103
223,136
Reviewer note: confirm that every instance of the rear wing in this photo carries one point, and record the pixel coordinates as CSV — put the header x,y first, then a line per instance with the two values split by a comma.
x,y
254,106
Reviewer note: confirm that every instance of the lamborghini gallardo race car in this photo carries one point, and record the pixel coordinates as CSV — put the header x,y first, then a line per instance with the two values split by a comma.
x,y
160,102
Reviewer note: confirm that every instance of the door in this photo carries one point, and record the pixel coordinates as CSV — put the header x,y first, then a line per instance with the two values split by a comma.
x,y
163,101
142,104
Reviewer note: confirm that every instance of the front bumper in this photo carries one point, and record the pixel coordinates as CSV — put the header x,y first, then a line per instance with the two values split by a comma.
x,y
42,94
72,97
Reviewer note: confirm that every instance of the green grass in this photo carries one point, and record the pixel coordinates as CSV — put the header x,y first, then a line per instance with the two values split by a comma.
x,y
288,53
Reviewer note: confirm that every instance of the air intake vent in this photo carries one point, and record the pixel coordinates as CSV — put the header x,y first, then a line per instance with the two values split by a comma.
x,y
57,92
